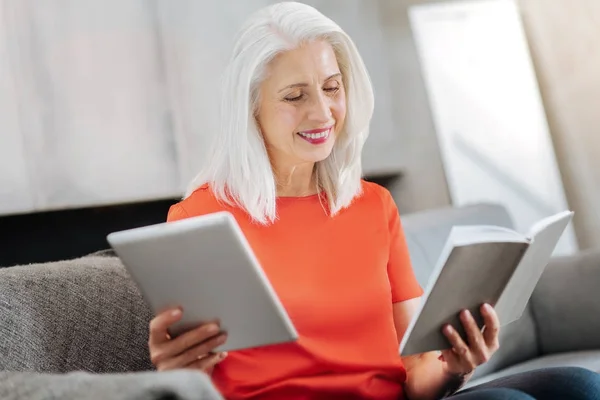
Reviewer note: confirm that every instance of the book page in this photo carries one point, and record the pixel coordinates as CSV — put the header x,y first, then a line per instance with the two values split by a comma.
x,y
545,236
470,234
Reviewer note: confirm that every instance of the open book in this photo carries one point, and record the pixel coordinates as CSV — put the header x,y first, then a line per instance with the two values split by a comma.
x,y
482,264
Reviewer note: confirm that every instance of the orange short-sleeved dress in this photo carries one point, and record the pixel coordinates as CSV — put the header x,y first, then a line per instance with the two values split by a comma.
x,y
337,278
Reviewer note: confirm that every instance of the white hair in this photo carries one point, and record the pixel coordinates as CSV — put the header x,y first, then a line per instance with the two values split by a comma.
x,y
238,169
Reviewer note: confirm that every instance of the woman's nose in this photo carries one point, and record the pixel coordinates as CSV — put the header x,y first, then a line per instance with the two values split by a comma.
x,y
320,110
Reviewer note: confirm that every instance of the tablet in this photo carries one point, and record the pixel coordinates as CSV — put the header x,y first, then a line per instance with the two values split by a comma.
x,y
205,265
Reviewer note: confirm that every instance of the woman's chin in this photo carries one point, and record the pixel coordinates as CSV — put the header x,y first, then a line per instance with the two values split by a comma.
x,y
316,155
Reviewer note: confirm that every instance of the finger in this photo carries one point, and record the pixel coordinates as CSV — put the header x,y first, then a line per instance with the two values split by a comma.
x,y
195,353
160,324
451,358
207,363
161,352
194,337
491,330
459,346
457,343
476,343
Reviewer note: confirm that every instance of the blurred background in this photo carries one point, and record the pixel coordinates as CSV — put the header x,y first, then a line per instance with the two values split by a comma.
x,y
107,109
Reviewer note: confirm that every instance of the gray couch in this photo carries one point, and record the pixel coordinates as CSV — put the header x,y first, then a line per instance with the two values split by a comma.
x,y
78,328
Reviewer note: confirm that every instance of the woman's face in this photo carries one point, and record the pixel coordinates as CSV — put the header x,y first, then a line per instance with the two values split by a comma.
x,y
302,105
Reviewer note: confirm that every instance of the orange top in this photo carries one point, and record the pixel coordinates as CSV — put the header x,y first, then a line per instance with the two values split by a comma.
x,y
337,278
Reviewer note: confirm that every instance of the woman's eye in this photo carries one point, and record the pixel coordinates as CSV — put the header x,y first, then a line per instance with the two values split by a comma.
x,y
293,98
332,89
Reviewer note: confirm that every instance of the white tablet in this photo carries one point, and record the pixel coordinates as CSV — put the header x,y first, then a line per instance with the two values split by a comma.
x,y
205,265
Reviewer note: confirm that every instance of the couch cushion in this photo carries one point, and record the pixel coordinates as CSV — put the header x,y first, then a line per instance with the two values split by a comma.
x,y
585,359
518,342
566,304
82,314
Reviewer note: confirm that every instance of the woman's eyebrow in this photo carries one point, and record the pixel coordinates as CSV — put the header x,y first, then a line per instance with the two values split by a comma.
x,y
295,85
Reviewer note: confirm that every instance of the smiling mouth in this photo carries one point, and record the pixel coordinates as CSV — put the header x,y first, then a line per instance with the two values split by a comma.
x,y
316,136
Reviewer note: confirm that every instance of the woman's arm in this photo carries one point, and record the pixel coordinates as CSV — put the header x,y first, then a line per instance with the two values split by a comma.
x,y
426,378
431,376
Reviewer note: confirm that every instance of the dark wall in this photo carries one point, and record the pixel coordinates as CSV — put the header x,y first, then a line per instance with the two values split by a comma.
x,y
61,235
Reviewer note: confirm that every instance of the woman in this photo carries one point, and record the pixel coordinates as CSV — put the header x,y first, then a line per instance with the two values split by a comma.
x,y
296,107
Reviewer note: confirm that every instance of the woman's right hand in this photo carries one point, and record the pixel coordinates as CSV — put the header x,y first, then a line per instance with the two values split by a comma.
x,y
193,349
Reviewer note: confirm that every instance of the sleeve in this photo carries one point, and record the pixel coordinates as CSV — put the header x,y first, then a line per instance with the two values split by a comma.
x,y
402,278
176,212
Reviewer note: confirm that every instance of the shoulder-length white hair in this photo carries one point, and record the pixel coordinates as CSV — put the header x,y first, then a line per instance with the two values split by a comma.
x,y
238,169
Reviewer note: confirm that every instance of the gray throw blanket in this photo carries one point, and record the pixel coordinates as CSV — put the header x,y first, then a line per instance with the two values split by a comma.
x,y
175,385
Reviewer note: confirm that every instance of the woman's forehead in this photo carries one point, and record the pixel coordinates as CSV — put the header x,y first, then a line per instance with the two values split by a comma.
x,y
308,64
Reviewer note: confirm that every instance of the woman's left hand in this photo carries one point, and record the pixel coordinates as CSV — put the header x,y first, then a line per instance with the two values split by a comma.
x,y
463,358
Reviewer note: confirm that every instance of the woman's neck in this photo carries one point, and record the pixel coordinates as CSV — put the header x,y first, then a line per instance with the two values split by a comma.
x,y
296,181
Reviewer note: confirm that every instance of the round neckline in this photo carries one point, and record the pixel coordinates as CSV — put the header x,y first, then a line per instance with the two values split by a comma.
x,y
307,197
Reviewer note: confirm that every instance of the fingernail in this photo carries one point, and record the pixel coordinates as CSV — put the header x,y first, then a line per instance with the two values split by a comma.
x,y
223,355
176,312
213,328
487,307
448,329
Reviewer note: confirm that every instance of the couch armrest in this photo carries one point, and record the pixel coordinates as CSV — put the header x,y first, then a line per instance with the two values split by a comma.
x,y
566,304
175,385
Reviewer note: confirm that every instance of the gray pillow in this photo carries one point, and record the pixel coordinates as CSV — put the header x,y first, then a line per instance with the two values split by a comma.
x,y
82,314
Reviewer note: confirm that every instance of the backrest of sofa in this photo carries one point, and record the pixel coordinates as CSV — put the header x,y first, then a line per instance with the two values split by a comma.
x,y
565,303
427,231
426,234
82,314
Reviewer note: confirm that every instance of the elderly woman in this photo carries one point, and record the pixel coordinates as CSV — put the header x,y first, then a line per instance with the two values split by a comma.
x,y
295,112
